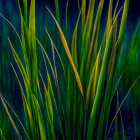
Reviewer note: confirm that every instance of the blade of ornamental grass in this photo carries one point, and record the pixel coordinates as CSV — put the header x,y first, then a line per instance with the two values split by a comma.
x,y
53,45
92,54
21,68
100,86
23,9
122,27
56,79
56,82
28,91
72,88
109,19
117,51
49,112
19,40
39,117
28,116
115,10
47,58
29,42
27,87
64,42
92,85
5,107
86,36
83,14
105,108
51,90
107,100
33,56
74,43
57,11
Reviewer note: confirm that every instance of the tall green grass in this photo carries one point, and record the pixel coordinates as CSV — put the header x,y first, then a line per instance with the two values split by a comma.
x,y
90,77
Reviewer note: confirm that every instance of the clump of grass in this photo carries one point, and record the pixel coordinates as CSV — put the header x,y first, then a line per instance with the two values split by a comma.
x,y
90,81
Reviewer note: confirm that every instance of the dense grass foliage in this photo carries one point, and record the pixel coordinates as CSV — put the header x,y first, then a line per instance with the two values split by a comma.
x,y
73,99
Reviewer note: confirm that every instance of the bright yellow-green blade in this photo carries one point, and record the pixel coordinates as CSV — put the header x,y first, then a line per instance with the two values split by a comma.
x,y
68,53
4,105
20,66
32,23
39,117
57,11
49,111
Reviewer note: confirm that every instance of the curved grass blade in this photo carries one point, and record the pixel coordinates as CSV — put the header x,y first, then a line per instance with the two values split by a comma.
x,y
28,115
49,112
20,66
12,27
53,45
47,58
50,86
68,53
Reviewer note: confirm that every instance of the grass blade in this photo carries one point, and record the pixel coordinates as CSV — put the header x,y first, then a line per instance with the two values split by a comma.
x,y
68,53
57,11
